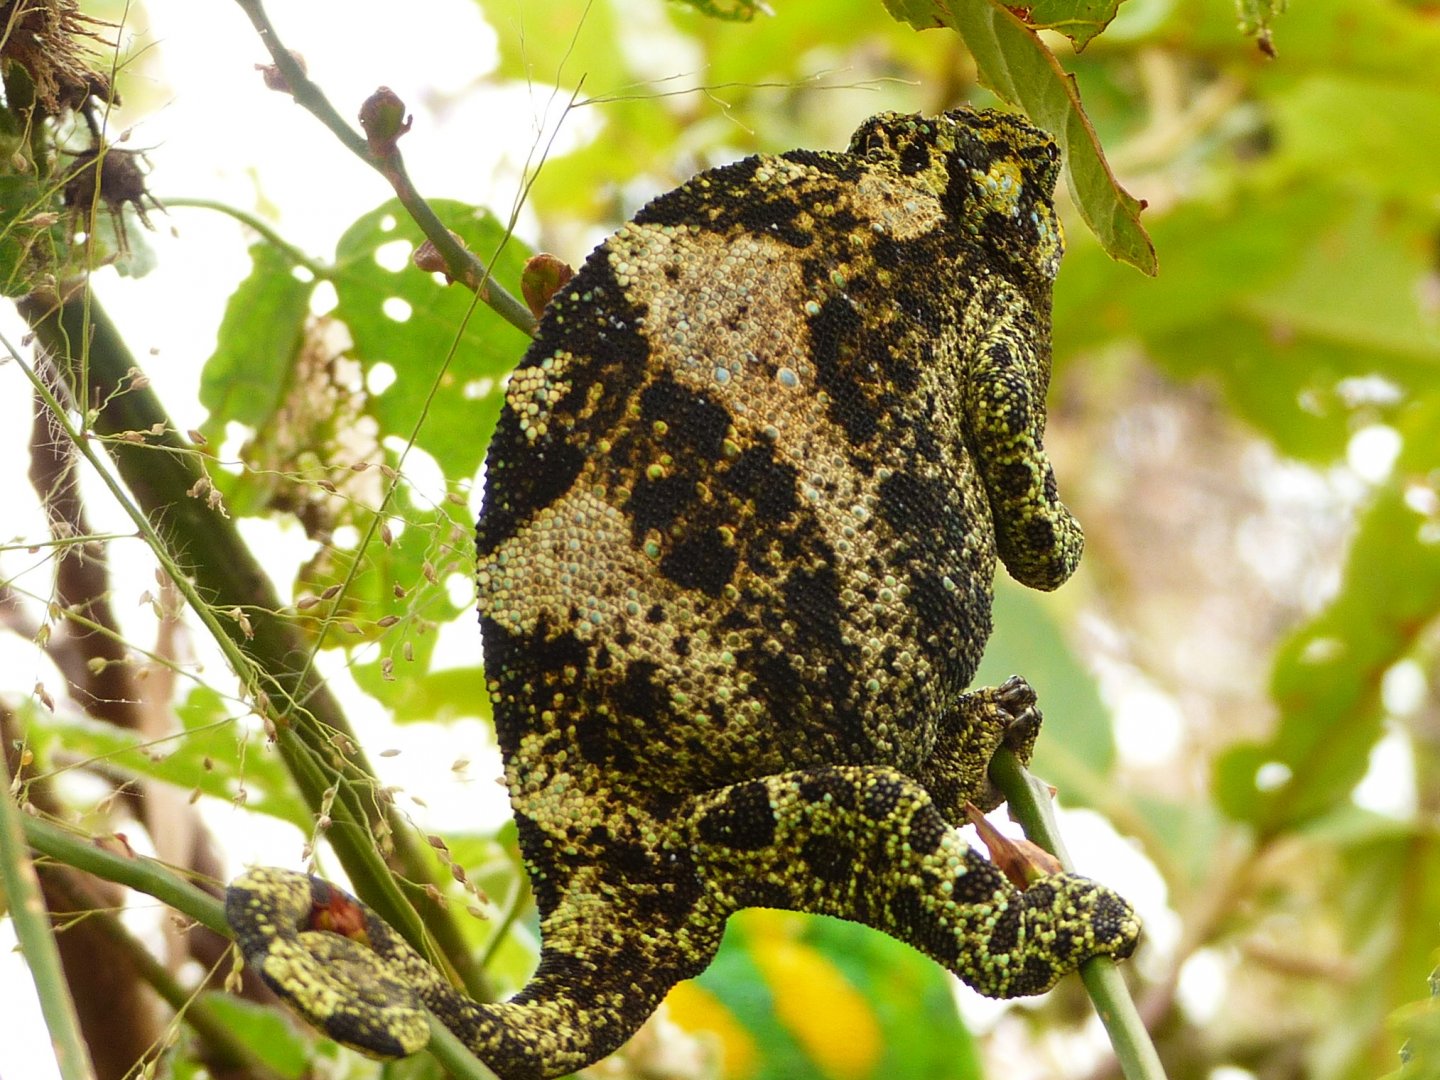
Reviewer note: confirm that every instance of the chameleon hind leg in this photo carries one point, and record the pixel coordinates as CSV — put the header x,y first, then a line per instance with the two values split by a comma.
x,y
866,843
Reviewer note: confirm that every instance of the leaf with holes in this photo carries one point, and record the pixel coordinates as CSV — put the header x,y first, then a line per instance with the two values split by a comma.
x,y
1078,20
433,357
402,591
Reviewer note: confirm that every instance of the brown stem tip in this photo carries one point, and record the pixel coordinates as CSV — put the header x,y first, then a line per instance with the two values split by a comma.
x,y
384,120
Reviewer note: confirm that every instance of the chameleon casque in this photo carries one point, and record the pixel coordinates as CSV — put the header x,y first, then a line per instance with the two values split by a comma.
x,y
741,520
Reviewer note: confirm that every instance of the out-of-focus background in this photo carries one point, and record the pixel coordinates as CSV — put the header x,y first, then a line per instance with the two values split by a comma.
x,y
1239,685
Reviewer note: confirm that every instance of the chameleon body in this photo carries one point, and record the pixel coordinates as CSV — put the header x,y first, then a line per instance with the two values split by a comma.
x,y
742,515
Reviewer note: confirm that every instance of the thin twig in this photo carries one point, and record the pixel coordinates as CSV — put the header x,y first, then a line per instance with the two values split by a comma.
x,y
155,879
225,1049
263,228
460,263
1029,801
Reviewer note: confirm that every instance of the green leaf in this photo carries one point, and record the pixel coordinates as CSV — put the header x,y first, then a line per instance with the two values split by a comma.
x,y
1078,20
1418,1024
265,1031
204,755
1257,15
1020,69
1387,900
247,375
793,995
1326,678
415,693
397,598
730,10
447,351
1282,299
1373,134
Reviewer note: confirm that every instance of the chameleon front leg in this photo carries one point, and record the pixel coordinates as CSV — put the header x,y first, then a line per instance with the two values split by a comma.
x,y
1036,537
866,843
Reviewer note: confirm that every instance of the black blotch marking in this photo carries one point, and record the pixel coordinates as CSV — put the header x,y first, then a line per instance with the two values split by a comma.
x,y
1062,945
687,204
544,882
656,615
807,622
915,158
519,480
880,798
851,378
1109,917
932,531
655,504
829,859
842,167
1034,976
1005,934
729,198
927,829
744,821
820,783
701,561
979,884
758,892
773,486
640,693
603,335
631,859
529,666
696,423
922,929
1040,535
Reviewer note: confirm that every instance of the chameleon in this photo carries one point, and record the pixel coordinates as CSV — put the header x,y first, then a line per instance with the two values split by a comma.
x,y
735,559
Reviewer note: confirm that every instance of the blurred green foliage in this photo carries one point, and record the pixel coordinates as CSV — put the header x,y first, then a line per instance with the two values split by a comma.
x,y
1292,329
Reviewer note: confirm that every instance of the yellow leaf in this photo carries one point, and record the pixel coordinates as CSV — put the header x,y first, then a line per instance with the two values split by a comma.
x,y
828,1017
698,1011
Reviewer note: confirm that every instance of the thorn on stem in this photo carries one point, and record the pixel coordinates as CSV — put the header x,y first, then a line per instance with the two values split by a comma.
x,y
275,78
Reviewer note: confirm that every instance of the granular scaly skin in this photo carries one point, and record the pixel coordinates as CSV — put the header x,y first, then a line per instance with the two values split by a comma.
x,y
742,515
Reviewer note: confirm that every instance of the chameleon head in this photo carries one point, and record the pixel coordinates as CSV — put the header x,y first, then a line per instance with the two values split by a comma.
x,y
993,172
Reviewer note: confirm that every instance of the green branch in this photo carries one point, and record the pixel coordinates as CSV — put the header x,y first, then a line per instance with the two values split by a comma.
x,y
259,226
1030,803
216,572
26,907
